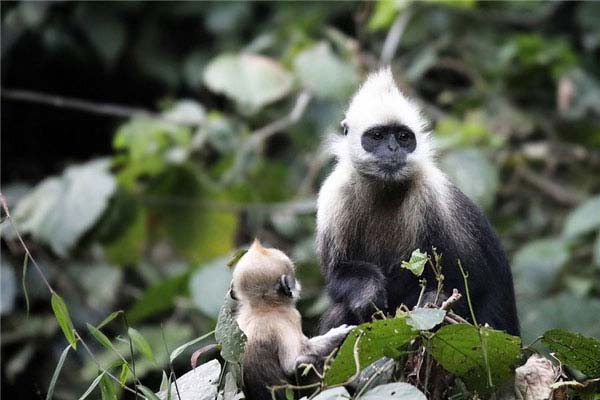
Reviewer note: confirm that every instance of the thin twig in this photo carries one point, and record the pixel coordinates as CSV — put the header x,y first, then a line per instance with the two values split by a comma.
x,y
12,223
108,109
554,190
450,301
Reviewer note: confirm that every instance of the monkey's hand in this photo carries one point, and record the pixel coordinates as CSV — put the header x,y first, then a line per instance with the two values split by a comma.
x,y
368,300
360,285
323,345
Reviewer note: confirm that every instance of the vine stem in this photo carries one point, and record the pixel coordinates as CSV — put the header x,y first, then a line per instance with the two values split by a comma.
x,y
465,276
28,254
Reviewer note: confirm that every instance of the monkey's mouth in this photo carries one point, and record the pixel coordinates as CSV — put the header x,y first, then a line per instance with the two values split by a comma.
x,y
391,167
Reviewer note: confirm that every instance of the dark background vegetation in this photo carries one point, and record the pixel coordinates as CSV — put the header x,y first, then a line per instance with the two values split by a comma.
x,y
142,214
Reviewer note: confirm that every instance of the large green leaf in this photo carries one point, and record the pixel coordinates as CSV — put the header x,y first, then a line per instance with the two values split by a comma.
x,y
251,80
377,339
60,210
324,73
477,356
585,218
228,333
575,350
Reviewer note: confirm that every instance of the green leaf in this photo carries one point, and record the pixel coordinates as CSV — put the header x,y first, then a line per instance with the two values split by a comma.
x,y
562,311
472,171
165,383
537,264
476,356
396,390
236,257
377,339
63,318
141,344
107,388
575,350
209,284
228,333
384,14
324,73
61,362
92,386
584,219
148,393
102,339
60,210
159,297
424,319
109,319
24,282
251,80
175,353
124,375
417,262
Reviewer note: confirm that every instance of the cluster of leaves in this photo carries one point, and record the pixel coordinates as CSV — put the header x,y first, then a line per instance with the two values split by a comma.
x,y
396,357
512,95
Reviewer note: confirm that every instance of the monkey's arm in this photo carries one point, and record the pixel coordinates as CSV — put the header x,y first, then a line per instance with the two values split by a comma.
x,y
359,285
321,346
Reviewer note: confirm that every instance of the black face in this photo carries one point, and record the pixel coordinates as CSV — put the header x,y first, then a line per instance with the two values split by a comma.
x,y
390,144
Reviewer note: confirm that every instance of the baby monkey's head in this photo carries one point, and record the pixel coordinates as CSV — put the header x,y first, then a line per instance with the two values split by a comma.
x,y
264,277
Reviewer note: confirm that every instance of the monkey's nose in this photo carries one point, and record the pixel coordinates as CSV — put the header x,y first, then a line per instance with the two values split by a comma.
x,y
392,148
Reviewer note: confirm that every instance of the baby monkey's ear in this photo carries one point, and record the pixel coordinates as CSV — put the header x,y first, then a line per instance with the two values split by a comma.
x,y
284,287
232,292
344,126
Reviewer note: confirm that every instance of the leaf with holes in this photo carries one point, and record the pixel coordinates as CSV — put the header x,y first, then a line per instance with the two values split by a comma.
x,y
228,333
476,355
377,339
575,350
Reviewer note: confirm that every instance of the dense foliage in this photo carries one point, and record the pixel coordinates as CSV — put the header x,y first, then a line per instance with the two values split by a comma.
x,y
243,93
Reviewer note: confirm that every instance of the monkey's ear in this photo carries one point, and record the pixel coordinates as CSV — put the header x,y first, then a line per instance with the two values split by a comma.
x,y
232,292
344,127
284,286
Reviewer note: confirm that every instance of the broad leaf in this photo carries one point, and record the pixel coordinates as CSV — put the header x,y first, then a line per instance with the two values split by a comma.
x,y
417,262
60,210
102,339
585,218
208,285
324,73
228,333
474,174
575,350
377,339
476,355
536,265
424,319
251,80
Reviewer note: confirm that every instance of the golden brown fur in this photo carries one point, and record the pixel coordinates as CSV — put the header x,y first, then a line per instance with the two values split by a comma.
x,y
265,286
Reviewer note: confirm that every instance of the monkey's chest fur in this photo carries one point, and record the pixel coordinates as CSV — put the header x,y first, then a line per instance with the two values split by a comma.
x,y
383,224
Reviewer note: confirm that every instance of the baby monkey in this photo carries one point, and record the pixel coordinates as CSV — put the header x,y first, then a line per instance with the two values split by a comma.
x,y
265,286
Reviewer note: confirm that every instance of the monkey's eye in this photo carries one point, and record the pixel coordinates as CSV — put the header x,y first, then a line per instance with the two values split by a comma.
x,y
403,135
377,136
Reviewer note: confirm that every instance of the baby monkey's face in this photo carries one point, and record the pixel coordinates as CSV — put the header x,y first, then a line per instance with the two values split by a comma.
x,y
265,276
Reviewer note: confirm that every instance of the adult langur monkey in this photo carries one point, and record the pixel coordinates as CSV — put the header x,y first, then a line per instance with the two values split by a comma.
x,y
385,198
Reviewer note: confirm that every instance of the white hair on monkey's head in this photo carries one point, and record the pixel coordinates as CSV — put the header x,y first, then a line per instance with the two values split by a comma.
x,y
380,102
